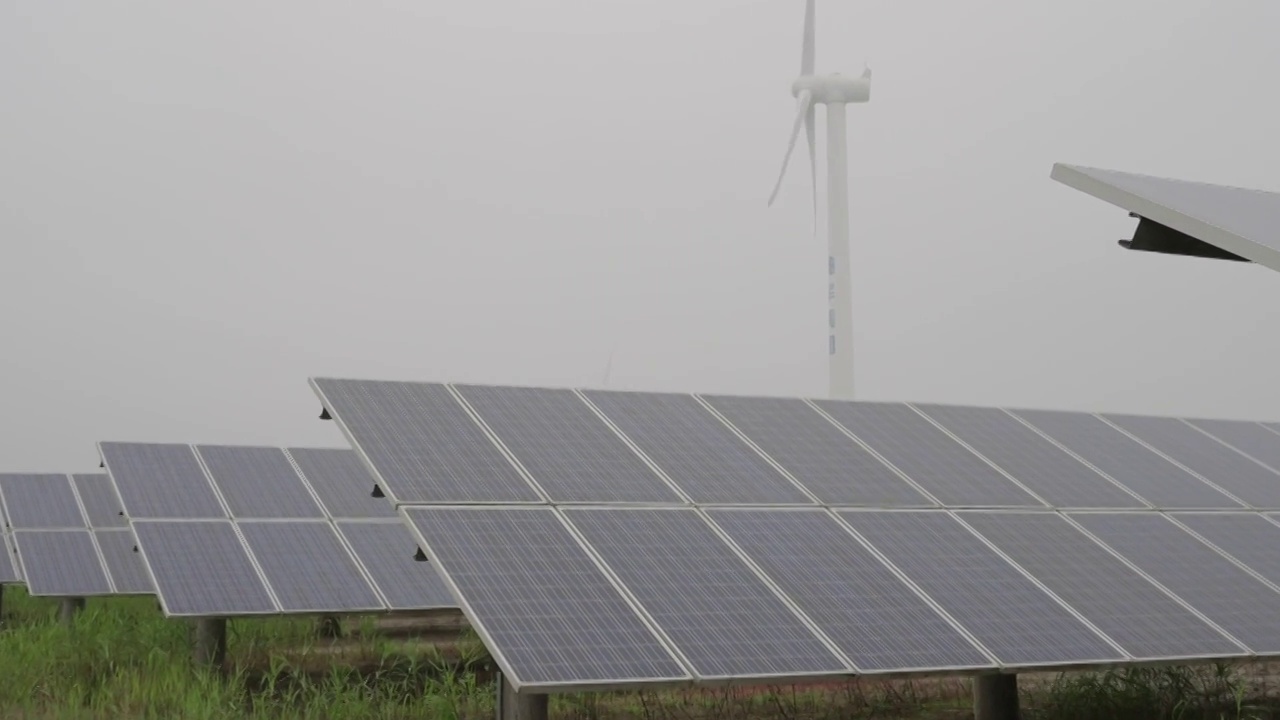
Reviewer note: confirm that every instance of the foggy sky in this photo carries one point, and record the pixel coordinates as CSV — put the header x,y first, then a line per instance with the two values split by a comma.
x,y
203,204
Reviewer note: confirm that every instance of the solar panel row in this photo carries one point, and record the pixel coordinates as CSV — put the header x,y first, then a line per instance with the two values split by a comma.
x,y
953,538
442,444
69,537
228,530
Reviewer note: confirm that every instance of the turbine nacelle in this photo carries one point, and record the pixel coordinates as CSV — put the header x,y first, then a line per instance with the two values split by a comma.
x,y
835,88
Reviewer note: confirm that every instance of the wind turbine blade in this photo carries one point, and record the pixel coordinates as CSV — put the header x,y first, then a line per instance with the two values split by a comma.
x,y
809,131
807,52
805,105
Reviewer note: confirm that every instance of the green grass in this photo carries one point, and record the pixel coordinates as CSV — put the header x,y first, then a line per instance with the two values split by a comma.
x,y
122,659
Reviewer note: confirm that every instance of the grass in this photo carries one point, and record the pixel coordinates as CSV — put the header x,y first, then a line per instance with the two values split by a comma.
x,y
122,659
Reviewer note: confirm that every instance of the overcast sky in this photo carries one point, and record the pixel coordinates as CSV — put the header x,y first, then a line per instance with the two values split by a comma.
x,y
203,204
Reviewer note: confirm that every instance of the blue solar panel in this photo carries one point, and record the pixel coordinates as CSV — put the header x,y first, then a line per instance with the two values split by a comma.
x,y
61,563
40,502
308,568
386,549
101,503
1253,439
343,484
160,481
201,569
258,482
124,563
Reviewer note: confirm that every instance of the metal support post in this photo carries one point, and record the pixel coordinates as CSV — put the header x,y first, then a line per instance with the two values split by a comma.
x,y
68,609
519,706
211,643
995,697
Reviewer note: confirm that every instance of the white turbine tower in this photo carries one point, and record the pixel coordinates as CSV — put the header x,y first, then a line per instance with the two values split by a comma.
x,y
834,91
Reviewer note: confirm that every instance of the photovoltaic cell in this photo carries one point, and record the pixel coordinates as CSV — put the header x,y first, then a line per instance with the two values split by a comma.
x,y
160,481
927,455
716,610
201,569
1230,597
308,568
872,616
1038,464
833,467
1159,481
423,443
100,501
258,482
1249,538
1012,617
554,621
696,450
1139,616
343,484
565,446
1206,457
61,563
1253,439
40,501
386,550
127,570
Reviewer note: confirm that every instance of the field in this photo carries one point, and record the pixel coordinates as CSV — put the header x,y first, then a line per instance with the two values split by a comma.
x,y
122,659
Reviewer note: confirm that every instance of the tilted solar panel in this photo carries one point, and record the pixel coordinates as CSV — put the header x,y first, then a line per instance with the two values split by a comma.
x,y
343,484
385,549
1252,439
124,564
201,569
101,503
40,501
160,481
307,567
258,482
62,563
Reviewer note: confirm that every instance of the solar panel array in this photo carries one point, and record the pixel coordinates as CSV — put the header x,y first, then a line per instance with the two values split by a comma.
x,y
230,531
600,539
68,537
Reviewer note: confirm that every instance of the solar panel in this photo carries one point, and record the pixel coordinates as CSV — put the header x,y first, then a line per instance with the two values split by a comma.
x,y
1159,481
1127,607
40,501
832,466
61,563
1208,458
424,444
343,484
1238,221
927,455
565,446
258,482
1226,594
1252,439
101,504
160,481
693,448
308,568
871,615
1010,615
386,551
1247,537
127,570
201,569
716,611
545,610
1035,462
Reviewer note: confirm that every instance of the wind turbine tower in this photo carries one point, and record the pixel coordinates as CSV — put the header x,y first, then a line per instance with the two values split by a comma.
x,y
834,91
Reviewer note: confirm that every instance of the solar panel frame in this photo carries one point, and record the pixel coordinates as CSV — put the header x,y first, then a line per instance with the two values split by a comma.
x,y
42,501
333,474
700,475
936,471
101,503
1220,466
779,572
481,626
749,592
258,482
853,518
154,503
511,487
1153,198
1189,580
58,578
1112,618
1031,463
1118,449
271,606
279,570
118,567
396,585
1253,440
1266,569
838,478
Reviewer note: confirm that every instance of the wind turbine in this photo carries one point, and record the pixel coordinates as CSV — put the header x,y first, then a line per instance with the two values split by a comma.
x,y
834,91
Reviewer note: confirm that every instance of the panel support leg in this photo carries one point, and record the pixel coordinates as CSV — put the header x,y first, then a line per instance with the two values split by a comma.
x,y
1,604
68,609
995,697
211,643
519,706
329,626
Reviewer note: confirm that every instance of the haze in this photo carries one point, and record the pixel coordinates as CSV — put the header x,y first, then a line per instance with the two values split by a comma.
x,y
203,204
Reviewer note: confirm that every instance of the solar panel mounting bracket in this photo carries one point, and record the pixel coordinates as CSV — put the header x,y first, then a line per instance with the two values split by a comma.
x,y
1151,236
